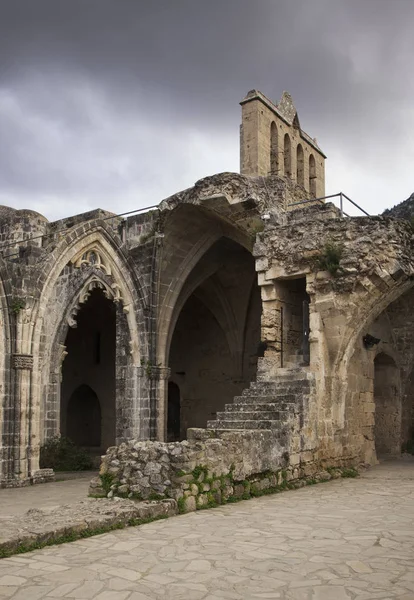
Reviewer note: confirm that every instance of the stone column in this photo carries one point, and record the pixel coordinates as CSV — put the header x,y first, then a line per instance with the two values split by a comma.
x,y
152,399
22,365
159,377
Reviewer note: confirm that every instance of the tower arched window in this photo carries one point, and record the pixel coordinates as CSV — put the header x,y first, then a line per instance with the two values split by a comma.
x,y
312,175
300,172
274,149
287,152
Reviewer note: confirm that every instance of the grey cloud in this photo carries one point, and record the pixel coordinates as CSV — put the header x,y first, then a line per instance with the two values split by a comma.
x,y
102,98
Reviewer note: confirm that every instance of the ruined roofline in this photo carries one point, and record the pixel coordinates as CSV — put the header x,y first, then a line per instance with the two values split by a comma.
x,y
257,95
90,215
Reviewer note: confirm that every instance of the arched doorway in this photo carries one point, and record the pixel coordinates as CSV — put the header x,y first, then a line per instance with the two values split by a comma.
x,y
387,427
88,375
216,336
83,424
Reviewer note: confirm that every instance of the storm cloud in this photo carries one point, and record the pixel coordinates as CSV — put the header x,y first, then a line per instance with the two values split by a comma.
x,y
120,103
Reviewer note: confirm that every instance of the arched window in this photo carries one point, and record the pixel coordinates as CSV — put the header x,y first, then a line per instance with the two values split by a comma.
x,y
287,156
274,156
312,175
300,172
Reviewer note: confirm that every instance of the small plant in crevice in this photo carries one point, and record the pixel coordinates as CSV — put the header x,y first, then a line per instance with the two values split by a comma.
x,y
198,471
181,505
330,258
61,454
17,304
149,367
106,482
154,496
147,235
349,472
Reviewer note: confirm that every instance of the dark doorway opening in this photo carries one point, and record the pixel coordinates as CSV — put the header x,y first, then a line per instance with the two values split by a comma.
x,y
174,410
294,304
87,408
387,428
84,418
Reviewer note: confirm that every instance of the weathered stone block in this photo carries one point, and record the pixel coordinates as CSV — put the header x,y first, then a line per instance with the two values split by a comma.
x,y
189,504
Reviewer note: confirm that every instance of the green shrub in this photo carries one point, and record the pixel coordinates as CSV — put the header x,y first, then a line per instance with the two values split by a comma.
x,y
61,454
330,258
349,472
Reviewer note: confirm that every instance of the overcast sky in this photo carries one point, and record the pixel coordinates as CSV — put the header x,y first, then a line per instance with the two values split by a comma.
x,y
118,104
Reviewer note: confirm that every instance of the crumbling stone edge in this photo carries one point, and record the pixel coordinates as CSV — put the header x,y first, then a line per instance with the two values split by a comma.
x,y
150,511
142,512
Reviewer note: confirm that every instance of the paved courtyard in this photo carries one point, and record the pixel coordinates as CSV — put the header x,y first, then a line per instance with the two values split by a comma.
x,y
346,539
68,489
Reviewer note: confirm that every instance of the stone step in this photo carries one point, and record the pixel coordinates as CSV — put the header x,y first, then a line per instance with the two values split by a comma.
x,y
242,424
275,393
280,383
251,415
298,371
282,407
287,398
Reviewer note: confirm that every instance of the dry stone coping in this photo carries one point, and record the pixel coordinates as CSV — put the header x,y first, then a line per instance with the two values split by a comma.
x,y
92,515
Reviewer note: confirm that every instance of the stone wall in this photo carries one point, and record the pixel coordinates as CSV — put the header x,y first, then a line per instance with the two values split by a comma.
x,y
368,294
150,266
205,470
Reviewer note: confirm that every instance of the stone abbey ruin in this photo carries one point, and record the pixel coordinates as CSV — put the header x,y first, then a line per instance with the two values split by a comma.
x,y
243,330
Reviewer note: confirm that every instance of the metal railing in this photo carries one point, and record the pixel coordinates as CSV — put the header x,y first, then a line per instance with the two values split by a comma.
x,y
341,197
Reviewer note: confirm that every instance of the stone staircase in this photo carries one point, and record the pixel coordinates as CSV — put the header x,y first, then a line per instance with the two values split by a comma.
x,y
267,404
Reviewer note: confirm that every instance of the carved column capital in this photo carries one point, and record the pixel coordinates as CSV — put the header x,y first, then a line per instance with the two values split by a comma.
x,y
154,372
22,362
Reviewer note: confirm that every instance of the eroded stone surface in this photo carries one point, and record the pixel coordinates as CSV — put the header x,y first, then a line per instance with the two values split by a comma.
x,y
348,539
37,525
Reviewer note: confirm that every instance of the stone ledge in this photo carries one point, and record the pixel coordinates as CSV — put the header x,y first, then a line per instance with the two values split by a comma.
x,y
38,528
36,477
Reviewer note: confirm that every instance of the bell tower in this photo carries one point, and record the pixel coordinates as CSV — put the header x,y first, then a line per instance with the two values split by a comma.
x,y
272,142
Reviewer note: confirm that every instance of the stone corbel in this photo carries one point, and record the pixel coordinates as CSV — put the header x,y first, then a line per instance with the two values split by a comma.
x,y
63,355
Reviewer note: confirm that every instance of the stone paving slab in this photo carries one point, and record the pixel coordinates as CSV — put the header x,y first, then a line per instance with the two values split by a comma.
x,y
346,539
45,496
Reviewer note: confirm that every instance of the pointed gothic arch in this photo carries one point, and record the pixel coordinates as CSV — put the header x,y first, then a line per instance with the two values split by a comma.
x,y
197,297
94,260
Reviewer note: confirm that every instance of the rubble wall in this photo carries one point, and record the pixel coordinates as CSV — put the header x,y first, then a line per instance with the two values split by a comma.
x,y
206,469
